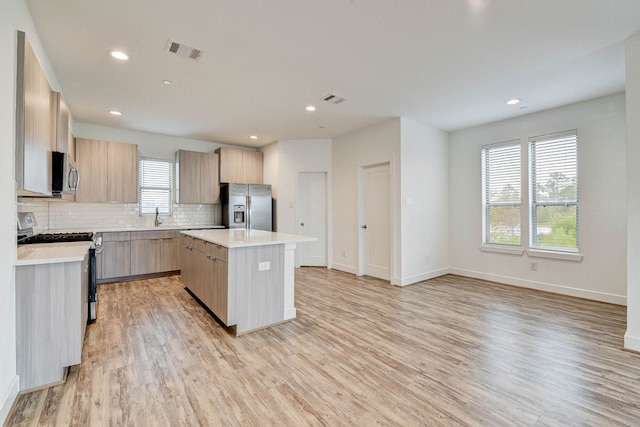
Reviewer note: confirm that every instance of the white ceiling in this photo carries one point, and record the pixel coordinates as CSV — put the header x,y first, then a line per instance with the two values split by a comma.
x,y
450,64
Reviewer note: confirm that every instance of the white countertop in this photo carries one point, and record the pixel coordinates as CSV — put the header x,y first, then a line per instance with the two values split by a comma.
x,y
236,238
48,253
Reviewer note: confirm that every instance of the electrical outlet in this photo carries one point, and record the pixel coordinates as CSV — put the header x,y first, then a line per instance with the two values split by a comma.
x,y
533,266
344,253
426,259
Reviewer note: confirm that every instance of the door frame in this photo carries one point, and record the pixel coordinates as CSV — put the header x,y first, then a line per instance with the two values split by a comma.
x,y
328,213
360,231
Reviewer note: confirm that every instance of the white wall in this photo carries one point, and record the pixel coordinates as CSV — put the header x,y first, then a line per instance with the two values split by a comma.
x,y
425,221
295,156
373,145
601,275
632,337
283,161
14,16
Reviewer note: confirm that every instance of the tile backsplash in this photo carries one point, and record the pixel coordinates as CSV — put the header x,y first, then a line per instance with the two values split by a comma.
x,y
52,216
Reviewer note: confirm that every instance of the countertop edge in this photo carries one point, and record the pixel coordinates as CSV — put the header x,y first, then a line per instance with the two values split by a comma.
x,y
79,251
223,239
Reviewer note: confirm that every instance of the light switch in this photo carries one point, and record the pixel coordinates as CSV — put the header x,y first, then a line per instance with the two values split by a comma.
x,y
408,201
264,266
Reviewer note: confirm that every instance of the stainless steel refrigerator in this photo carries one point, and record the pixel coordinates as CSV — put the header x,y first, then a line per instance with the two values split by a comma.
x,y
246,206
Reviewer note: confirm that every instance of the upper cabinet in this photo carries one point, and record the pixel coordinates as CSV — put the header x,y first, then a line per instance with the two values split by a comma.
x,y
33,124
240,166
197,177
108,171
59,123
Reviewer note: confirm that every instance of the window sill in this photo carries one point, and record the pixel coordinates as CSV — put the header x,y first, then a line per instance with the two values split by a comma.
x,y
502,249
564,256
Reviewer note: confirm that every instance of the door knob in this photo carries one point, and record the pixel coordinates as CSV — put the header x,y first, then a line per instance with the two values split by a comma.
x,y
302,224
364,226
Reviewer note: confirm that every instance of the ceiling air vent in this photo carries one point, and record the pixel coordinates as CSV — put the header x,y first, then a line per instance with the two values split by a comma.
x,y
184,50
333,99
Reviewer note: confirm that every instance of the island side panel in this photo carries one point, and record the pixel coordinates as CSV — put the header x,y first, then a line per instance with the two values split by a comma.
x,y
256,296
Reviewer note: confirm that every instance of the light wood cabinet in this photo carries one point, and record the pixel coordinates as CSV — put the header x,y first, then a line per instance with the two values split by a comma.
x,y
60,124
122,172
33,123
115,258
251,167
197,177
154,252
51,318
91,161
108,171
240,166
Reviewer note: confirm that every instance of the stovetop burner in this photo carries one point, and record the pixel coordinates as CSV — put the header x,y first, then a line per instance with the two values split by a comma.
x,y
58,238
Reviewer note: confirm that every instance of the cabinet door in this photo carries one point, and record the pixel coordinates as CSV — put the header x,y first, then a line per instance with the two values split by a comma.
x,y
122,163
33,122
91,162
209,186
220,297
144,256
251,167
186,264
169,259
188,185
230,161
115,259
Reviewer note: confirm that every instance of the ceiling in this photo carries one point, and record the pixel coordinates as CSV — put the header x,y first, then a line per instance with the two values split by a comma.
x,y
450,64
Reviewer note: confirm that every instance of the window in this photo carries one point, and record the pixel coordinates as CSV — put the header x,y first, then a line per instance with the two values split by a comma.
x,y
501,195
553,171
155,180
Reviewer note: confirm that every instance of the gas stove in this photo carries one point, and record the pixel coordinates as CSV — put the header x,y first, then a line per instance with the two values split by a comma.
x,y
58,238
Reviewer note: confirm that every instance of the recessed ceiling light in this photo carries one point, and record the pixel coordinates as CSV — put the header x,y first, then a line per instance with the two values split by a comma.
x,y
514,101
115,113
118,54
167,82
253,137
310,108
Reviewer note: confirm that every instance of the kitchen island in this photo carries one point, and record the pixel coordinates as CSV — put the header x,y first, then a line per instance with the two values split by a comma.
x,y
244,277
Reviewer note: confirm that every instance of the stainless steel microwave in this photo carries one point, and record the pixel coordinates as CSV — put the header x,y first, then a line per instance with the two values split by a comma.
x,y
65,178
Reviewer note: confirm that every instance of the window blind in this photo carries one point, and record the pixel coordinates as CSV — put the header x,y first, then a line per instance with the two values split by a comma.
x,y
155,191
553,166
502,181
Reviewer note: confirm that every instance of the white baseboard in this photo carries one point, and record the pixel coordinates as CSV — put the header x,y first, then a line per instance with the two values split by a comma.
x,y
631,343
547,287
9,397
420,277
345,268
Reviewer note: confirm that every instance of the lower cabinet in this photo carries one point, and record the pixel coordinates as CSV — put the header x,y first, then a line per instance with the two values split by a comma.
x,y
205,272
115,258
51,318
134,253
154,252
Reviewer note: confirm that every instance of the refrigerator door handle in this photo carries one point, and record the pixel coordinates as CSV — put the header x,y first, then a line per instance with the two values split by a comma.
x,y
248,223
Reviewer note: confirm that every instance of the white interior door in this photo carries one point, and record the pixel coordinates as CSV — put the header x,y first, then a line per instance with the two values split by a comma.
x,y
312,218
375,226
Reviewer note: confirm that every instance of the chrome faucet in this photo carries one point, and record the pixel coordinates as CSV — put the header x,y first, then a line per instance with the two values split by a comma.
x,y
157,222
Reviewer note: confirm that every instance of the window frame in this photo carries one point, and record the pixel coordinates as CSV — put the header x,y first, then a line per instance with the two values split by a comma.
x,y
169,188
536,249
487,244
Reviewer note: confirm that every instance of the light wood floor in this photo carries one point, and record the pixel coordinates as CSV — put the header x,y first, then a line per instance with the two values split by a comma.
x,y
450,351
